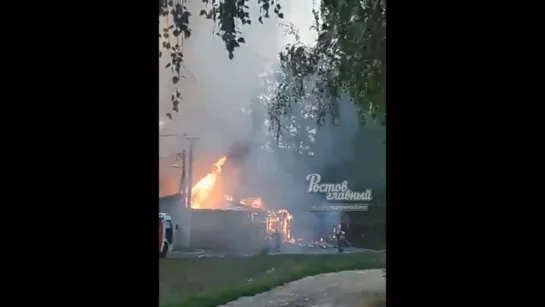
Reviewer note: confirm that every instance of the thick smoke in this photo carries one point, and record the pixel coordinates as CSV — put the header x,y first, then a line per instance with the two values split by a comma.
x,y
216,89
280,175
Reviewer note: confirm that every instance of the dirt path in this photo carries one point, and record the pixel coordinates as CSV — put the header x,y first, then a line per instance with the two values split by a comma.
x,y
341,289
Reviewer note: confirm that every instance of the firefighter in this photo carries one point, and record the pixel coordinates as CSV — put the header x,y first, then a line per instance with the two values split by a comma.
x,y
339,235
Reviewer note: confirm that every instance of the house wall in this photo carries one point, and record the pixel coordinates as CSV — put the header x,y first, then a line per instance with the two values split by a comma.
x,y
226,230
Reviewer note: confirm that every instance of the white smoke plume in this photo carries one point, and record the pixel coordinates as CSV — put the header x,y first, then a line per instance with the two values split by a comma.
x,y
215,88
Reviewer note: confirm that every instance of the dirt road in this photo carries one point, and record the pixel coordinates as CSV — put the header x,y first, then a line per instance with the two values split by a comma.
x,y
341,289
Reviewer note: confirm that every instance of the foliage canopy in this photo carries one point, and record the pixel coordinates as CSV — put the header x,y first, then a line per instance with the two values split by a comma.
x,y
349,57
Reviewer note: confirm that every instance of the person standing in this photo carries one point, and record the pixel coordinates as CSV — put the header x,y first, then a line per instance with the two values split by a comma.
x,y
339,234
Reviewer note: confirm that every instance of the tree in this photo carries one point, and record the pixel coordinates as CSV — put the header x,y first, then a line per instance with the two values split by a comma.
x,y
349,57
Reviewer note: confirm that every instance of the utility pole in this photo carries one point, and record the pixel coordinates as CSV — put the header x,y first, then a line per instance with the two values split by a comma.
x,y
180,158
183,212
190,168
189,187
185,184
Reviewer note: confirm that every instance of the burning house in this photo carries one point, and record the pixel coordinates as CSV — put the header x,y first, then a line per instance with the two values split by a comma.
x,y
228,230
223,222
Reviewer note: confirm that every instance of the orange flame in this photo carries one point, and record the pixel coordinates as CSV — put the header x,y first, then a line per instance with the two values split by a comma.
x,y
276,220
280,221
254,202
201,190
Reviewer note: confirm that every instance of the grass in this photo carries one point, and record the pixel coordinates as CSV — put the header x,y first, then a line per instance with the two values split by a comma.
x,y
210,282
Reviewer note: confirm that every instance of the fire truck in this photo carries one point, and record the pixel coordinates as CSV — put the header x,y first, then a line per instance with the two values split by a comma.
x,y
166,234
